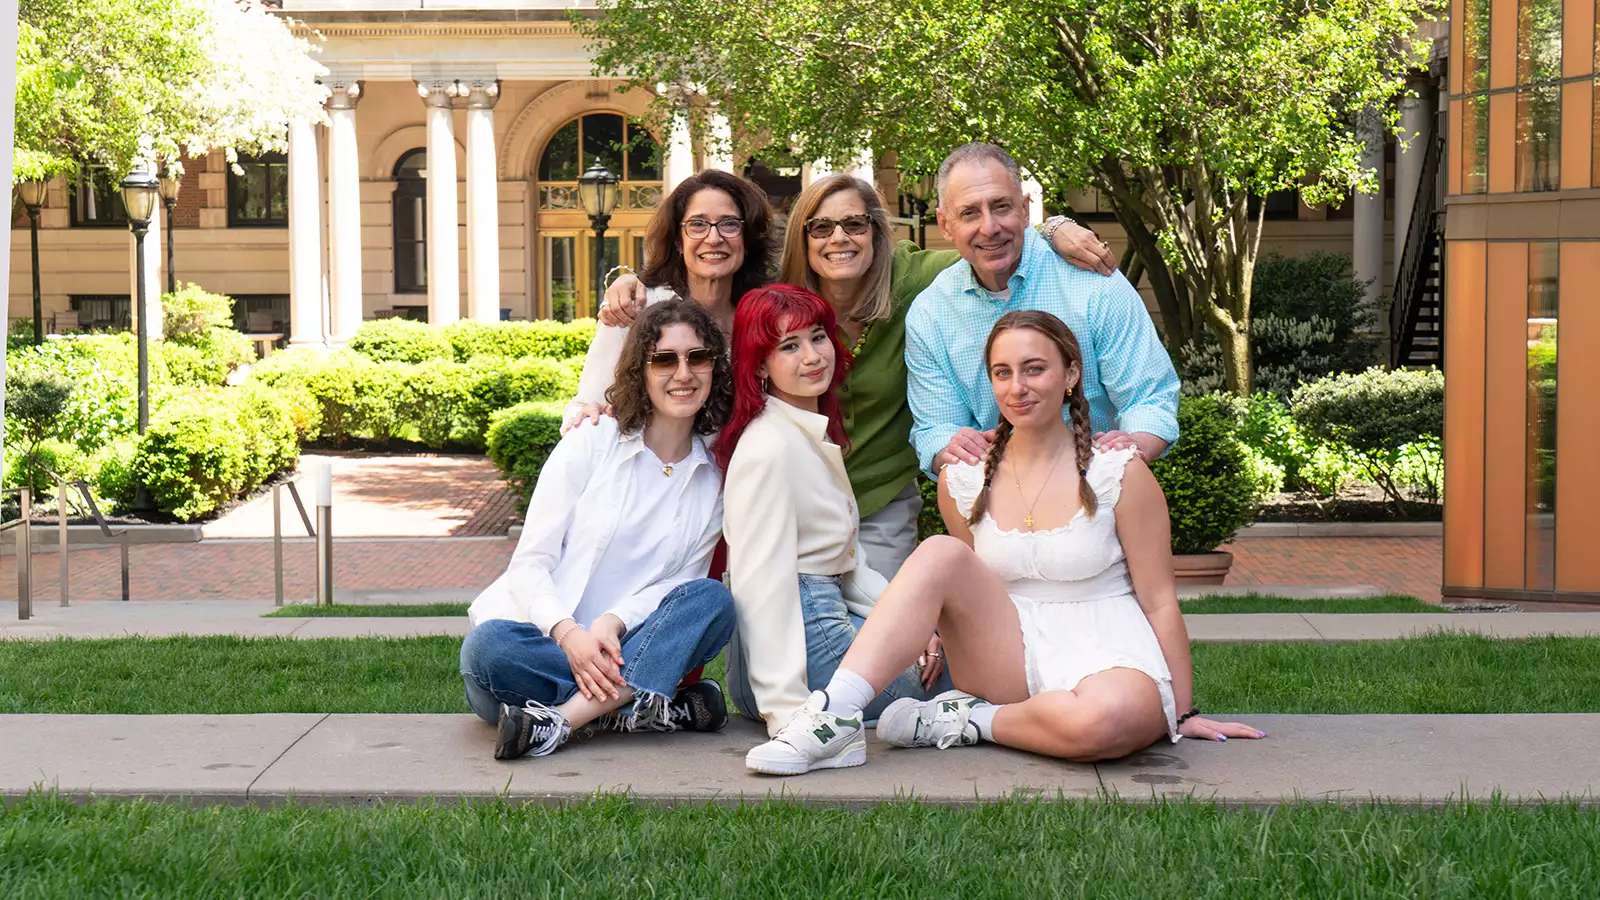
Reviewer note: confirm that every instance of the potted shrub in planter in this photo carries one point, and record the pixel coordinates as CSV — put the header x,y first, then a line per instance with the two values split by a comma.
x,y
1211,488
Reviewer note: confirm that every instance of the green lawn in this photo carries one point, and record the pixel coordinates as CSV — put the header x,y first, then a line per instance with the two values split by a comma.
x,y
618,848
1262,603
363,610
1434,674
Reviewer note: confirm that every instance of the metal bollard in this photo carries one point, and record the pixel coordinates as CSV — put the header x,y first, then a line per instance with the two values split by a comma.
x,y
324,535
277,545
61,536
25,556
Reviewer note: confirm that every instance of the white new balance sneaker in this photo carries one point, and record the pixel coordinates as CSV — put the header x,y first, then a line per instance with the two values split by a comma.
x,y
813,739
941,722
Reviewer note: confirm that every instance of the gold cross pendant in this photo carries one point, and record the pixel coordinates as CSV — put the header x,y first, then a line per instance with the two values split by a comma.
x,y
1027,521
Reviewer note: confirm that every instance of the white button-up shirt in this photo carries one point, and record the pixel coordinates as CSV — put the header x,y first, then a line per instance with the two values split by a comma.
x,y
581,504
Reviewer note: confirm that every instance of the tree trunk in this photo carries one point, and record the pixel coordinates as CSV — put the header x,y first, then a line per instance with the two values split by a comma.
x,y
1237,368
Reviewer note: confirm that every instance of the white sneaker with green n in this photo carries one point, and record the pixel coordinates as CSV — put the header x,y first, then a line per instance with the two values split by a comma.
x,y
813,739
945,721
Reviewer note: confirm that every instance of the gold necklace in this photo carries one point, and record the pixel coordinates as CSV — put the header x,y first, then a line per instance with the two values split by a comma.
x,y
1027,520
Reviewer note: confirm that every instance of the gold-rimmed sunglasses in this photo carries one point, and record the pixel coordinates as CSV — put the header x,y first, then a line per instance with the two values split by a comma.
x,y
700,359
821,228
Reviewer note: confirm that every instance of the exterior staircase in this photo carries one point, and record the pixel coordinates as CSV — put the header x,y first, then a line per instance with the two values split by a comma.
x,y
1416,311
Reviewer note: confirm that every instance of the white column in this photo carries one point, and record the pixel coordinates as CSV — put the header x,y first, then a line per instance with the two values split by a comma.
x,y
1035,194
483,212
305,236
678,162
719,143
444,251
1414,137
1366,251
344,213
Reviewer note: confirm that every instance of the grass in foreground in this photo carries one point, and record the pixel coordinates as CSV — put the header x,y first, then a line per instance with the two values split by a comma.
x,y
363,610
1230,603
1264,603
615,847
1442,673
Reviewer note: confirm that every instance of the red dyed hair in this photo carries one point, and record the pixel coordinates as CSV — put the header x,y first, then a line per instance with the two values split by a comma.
x,y
760,320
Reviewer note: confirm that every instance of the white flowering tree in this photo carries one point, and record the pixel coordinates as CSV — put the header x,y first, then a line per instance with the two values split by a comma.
x,y
118,81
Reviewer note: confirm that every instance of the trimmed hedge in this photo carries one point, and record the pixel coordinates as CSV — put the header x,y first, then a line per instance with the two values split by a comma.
x,y
400,340
521,438
208,448
553,340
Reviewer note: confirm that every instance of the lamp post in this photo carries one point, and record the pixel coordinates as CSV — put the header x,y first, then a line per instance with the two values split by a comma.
x,y
921,190
139,195
597,191
32,196
170,182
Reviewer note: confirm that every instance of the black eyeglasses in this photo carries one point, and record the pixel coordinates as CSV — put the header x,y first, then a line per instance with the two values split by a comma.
x,y
700,359
732,226
821,228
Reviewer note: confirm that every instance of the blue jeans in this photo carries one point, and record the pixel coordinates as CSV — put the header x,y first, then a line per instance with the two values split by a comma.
x,y
830,629
514,662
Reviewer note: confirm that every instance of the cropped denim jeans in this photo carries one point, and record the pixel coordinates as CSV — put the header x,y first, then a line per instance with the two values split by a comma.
x,y
514,662
830,629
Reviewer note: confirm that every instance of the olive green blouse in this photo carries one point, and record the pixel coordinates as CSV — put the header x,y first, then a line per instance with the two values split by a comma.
x,y
881,461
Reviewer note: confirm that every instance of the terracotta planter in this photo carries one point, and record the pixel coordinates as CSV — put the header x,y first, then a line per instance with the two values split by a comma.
x,y
1201,568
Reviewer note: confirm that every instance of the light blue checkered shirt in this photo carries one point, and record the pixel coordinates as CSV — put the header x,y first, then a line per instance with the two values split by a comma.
x,y
1127,375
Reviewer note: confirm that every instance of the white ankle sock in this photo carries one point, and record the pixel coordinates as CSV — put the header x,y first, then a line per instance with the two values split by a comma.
x,y
848,693
983,718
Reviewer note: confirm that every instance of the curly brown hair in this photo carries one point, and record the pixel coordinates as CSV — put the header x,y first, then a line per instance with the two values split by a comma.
x,y
663,242
630,397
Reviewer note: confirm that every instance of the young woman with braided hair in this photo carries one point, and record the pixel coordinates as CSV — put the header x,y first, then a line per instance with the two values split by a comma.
x,y
1053,593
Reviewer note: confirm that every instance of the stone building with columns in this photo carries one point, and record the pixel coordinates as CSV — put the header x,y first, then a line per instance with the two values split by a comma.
x,y
443,186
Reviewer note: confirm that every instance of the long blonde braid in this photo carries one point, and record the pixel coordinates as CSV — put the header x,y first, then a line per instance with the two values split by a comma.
x,y
1082,439
991,464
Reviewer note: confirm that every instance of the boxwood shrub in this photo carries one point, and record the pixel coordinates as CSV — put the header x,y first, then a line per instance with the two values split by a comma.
x,y
521,438
209,447
1378,414
554,340
1207,476
400,340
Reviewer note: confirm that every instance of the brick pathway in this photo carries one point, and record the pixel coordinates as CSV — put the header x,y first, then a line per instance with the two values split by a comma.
x,y
1409,565
242,569
424,495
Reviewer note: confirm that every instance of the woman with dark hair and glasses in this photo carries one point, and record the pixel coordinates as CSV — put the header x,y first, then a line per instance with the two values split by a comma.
x,y
710,242
841,245
605,605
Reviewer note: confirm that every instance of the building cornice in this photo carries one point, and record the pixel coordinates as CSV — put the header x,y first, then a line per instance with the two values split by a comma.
x,y
473,29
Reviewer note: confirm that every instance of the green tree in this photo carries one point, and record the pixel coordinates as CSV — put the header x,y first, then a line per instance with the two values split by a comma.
x,y
1179,111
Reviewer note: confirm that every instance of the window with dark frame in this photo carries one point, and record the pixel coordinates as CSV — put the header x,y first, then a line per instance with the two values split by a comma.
x,y
410,216
97,199
258,195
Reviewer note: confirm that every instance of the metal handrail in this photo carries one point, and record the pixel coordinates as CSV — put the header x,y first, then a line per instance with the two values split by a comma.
x,y
1411,277
63,508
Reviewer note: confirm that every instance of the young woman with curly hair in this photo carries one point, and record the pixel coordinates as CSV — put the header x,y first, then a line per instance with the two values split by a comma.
x,y
605,605
1053,594
799,582
710,242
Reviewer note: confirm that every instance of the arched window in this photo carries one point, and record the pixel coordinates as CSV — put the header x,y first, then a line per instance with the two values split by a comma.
x,y
628,150
411,223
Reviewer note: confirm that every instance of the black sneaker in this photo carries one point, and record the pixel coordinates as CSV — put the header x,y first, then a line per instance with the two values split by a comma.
x,y
530,730
696,707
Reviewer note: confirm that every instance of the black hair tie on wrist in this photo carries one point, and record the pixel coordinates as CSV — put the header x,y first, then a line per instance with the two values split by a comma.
x,y
1193,711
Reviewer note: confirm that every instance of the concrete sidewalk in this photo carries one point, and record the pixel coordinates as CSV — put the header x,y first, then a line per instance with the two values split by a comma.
x,y
362,758
101,620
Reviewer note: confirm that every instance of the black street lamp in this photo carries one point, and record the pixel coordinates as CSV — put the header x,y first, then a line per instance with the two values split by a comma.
x,y
32,195
921,191
170,182
139,195
597,191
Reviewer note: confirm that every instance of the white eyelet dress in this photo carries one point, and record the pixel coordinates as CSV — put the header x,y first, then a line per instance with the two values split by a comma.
x,y
1071,588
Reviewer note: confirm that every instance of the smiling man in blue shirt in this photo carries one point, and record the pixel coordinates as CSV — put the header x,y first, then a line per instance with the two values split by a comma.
x,y
1127,376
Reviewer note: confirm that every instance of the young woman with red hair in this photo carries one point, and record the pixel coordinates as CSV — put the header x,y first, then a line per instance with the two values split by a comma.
x,y
800,586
